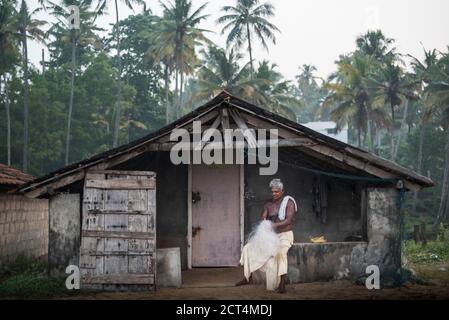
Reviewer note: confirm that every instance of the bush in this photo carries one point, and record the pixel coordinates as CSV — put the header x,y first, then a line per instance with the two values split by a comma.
x,y
434,251
442,234
27,278
22,264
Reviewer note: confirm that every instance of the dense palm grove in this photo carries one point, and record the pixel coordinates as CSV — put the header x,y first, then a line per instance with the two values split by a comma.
x,y
94,92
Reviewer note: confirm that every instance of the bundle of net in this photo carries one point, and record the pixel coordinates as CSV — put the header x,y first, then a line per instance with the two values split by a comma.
x,y
265,244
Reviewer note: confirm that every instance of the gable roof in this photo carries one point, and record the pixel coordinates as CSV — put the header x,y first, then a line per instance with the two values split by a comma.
x,y
332,148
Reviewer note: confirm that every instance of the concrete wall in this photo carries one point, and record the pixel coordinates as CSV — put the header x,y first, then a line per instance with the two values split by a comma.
x,y
309,262
344,209
23,227
168,268
384,234
64,232
322,262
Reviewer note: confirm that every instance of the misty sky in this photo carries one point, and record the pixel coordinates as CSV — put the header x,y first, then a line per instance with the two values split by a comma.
x,y
317,32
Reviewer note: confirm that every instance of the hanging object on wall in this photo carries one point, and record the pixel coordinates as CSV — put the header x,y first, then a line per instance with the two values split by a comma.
x,y
319,196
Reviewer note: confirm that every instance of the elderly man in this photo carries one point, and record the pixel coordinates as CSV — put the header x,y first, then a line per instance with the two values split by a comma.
x,y
280,210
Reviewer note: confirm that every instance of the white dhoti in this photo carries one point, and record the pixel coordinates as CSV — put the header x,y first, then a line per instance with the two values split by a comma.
x,y
274,267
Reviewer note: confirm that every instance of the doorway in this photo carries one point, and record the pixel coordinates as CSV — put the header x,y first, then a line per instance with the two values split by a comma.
x,y
216,215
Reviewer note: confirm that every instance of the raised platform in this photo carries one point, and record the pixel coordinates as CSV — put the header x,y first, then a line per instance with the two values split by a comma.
x,y
310,262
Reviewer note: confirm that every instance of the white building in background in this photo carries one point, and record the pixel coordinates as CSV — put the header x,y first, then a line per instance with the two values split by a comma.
x,y
328,128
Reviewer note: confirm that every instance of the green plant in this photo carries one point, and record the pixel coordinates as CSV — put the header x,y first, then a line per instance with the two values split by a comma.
x,y
434,251
442,233
22,264
27,278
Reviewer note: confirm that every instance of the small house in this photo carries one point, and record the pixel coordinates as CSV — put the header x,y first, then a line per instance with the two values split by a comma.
x,y
109,213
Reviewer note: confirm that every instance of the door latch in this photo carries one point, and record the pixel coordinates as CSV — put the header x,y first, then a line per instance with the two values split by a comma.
x,y
195,230
196,197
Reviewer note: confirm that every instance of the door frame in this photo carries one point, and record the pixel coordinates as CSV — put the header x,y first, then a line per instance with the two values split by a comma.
x,y
189,210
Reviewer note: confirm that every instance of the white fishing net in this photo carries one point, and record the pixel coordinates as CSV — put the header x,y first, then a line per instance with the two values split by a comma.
x,y
264,244
264,240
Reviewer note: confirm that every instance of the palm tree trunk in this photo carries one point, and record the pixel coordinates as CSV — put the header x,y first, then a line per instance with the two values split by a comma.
x,y
250,52
119,81
419,164
359,139
182,76
176,91
167,104
8,123
369,129
392,132
180,93
26,101
46,108
378,138
444,203
72,88
43,63
398,141
128,127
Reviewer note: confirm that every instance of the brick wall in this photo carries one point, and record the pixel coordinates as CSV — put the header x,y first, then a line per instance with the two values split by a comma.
x,y
23,227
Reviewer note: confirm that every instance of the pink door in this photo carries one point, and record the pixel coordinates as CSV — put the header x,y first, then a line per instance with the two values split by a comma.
x,y
215,216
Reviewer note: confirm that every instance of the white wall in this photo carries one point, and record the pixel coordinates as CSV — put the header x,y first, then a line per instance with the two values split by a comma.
x,y
326,127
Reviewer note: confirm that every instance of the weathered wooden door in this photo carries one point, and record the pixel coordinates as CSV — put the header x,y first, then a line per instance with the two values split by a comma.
x,y
215,215
118,236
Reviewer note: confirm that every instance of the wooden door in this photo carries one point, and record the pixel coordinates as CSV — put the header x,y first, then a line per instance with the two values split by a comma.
x,y
215,215
118,236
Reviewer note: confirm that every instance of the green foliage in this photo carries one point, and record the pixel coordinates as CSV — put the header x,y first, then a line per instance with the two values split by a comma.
x,y
27,278
9,53
162,77
94,100
22,264
434,251
248,19
428,199
443,233
311,94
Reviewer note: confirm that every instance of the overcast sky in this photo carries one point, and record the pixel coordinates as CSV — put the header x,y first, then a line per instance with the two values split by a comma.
x,y
318,31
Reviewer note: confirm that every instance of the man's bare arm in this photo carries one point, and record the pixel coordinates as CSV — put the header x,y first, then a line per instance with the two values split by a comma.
x,y
264,214
290,211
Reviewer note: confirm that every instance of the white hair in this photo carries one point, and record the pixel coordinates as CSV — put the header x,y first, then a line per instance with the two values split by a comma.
x,y
276,183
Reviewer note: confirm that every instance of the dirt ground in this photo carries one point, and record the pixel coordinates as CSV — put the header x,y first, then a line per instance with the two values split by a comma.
x,y
218,284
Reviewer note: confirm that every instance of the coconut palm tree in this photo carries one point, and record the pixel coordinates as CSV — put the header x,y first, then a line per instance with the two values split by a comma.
x,y
307,75
101,7
221,71
310,93
162,50
276,92
390,86
9,57
424,72
439,89
348,91
377,45
180,31
83,37
29,28
247,18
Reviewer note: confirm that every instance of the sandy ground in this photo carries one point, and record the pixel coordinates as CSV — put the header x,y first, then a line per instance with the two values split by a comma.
x,y
218,284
